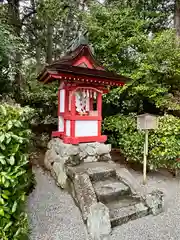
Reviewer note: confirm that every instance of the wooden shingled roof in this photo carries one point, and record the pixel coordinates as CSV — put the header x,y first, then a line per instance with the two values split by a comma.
x,y
80,64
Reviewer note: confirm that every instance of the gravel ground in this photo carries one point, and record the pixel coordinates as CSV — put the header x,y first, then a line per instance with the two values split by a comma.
x,y
165,226
52,212
54,216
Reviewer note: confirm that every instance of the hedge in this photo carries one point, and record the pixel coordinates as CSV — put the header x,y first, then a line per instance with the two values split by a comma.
x,y
15,174
164,143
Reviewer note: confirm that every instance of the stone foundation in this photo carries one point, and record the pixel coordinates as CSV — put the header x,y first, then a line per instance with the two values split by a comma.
x,y
106,194
59,155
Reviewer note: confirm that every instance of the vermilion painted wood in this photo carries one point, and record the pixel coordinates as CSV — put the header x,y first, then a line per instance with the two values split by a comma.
x,y
84,79
72,117
73,86
68,64
79,70
73,114
58,101
57,134
77,140
65,130
78,117
99,109
84,60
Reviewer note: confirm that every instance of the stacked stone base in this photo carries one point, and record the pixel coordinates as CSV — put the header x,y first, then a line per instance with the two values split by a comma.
x,y
107,195
59,155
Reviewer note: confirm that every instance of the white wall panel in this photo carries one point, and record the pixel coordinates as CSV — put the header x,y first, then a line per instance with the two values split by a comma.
x,y
86,128
68,131
61,124
62,100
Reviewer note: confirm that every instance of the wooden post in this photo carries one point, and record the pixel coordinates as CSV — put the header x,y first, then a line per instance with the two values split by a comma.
x,y
145,157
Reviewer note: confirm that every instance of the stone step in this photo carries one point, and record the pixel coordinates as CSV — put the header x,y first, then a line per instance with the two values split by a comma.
x,y
110,190
123,211
122,202
101,173
96,170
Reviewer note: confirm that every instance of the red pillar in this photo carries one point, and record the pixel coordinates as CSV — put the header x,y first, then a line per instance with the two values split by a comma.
x,y
99,109
73,113
66,107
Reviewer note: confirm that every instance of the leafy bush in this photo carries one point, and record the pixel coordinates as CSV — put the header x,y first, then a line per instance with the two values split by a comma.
x,y
40,97
9,44
123,44
164,143
15,174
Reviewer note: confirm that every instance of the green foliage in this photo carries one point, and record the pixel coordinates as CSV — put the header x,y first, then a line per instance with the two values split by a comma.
x,y
15,176
122,42
42,98
159,13
52,9
7,47
63,15
164,142
113,31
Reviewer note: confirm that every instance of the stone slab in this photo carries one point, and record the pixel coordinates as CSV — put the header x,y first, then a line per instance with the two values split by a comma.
x,y
85,195
126,177
122,215
98,222
155,202
120,203
96,171
61,177
49,158
106,157
101,173
110,190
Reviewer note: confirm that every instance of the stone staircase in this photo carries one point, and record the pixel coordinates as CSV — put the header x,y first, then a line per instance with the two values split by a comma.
x,y
109,189
106,193
117,197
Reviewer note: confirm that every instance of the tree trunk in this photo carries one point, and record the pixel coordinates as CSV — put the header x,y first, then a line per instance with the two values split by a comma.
x,y
38,58
14,20
49,51
177,17
37,44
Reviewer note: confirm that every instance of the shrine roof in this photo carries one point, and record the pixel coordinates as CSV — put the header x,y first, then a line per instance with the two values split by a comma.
x,y
78,64
81,51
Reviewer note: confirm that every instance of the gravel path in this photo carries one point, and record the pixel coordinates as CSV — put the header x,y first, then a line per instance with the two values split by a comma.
x,y
52,212
165,226
54,216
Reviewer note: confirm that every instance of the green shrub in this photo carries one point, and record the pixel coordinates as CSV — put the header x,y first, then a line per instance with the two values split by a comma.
x,y
15,174
164,143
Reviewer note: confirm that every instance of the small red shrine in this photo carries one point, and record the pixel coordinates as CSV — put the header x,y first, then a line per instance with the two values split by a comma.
x,y
82,83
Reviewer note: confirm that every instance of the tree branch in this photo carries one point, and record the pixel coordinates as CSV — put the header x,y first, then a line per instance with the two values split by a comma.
x,y
28,15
